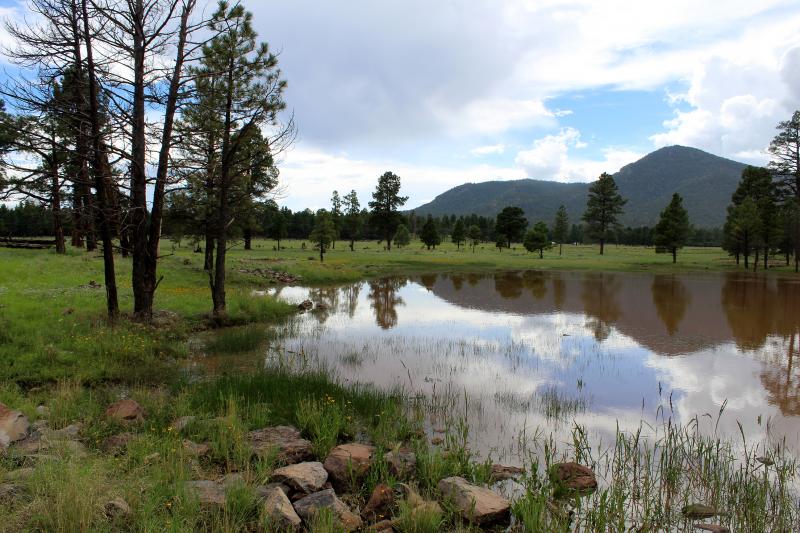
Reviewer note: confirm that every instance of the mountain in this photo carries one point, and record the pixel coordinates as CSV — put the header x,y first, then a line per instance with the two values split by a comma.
x,y
705,181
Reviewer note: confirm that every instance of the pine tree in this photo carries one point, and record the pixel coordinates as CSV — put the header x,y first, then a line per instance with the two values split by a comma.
x,y
746,226
510,225
323,234
672,230
336,214
402,237
536,239
385,201
459,234
603,207
351,224
475,236
430,233
785,150
561,227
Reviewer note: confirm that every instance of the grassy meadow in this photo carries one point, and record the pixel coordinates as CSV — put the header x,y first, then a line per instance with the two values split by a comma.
x,y
60,361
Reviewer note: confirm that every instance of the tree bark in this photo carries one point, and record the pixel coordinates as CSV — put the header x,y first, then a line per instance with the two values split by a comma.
x,y
602,245
674,255
248,238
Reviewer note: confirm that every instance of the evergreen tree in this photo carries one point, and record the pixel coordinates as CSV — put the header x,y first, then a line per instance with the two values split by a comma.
x,y
429,234
459,234
536,239
672,230
324,232
402,237
561,227
385,201
785,150
510,225
336,214
603,207
745,222
279,229
352,222
475,235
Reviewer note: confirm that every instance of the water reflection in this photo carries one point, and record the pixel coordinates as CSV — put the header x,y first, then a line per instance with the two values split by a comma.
x,y
622,344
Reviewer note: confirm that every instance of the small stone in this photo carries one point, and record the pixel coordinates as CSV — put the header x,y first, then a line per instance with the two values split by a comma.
x,y
117,508
152,458
695,511
380,504
125,411
303,477
402,462
502,472
476,504
42,410
286,440
309,506
384,526
233,479
436,441
766,461
14,425
714,528
209,493
279,509
198,450
179,424
10,491
348,462
305,305
116,444
572,479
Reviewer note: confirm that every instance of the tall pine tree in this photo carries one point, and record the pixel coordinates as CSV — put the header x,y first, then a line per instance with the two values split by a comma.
x,y
672,230
603,208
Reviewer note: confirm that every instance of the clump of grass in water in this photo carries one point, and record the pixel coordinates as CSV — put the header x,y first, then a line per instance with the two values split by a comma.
x,y
237,340
556,405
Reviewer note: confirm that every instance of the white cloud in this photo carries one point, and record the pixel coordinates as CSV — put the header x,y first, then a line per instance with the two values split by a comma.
x,y
550,158
490,149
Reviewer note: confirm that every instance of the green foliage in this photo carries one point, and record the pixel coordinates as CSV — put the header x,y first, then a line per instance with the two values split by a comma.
x,y
561,227
384,205
603,208
324,420
351,225
536,238
510,225
459,234
475,236
402,237
429,234
324,233
420,519
672,230
785,150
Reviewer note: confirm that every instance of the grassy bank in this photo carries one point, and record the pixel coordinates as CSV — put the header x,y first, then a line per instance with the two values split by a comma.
x,y
62,365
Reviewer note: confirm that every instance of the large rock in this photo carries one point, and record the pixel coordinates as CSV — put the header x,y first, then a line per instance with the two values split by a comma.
x,y
379,505
302,477
402,462
125,411
348,462
309,506
476,504
14,426
572,479
209,493
285,440
278,508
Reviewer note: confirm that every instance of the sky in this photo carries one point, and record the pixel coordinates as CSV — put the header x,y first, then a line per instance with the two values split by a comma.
x,y
456,91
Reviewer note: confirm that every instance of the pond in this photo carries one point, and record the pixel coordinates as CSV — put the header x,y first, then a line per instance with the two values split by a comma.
x,y
526,353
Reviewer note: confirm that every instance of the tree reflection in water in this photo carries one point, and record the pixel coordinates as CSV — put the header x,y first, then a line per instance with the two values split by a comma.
x,y
384,300
671,300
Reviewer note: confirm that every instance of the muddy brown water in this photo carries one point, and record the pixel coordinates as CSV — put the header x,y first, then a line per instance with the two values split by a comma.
x,y
541,351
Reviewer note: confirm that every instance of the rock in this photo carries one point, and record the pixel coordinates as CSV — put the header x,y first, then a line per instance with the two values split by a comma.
x,y
116,444
379,505
291,447
402,462
278,508
152,458
20,474
571,479
10,492
309,506
510,489
348,462
695,511
766,461
262,490
476,504
303,477
436,441
501,472
179,424
714,528
42,410
117,508
70,432
125,411
305,305
48,440
14,425
198,450
232,480
209,493
384,526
